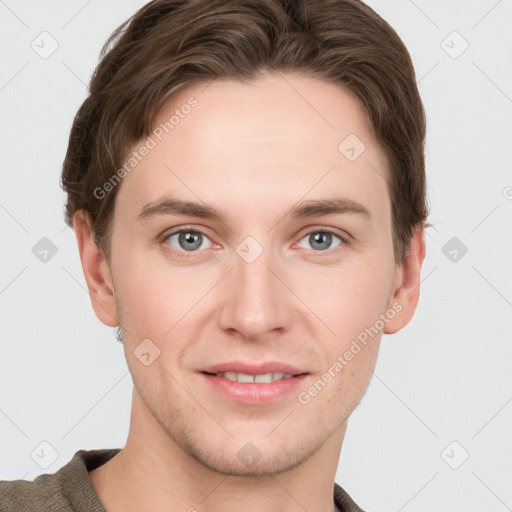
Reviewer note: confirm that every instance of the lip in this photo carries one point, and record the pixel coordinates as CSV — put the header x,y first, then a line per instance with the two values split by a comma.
x,y
253,393
253,369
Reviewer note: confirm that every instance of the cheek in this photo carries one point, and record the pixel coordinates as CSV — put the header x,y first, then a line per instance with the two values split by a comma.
x,y
158,298
356,374
144,296
350,299
359,327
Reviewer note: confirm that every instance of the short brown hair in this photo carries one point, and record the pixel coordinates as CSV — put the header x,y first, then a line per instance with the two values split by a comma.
x,y
169,44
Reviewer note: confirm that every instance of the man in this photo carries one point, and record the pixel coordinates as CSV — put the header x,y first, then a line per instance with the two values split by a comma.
x,y
246,184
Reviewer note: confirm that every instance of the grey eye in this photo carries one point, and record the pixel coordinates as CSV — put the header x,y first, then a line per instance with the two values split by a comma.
x,y
321,240
188,240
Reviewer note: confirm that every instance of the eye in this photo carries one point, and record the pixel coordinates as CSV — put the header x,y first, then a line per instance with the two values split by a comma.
x,y
321,240
188,240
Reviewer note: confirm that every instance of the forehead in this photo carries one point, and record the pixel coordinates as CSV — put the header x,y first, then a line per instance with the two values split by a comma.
x,y
274,139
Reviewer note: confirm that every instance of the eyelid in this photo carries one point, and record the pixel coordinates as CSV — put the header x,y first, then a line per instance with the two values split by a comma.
x,y
180,229
342,235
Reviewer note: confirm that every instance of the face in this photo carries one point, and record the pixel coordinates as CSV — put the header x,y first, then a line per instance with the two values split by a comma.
x,y
279,269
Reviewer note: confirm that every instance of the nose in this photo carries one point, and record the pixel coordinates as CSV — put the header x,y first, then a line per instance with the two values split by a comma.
x,y
255,303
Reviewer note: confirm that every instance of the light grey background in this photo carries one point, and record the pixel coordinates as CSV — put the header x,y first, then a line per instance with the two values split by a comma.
x,y
446,377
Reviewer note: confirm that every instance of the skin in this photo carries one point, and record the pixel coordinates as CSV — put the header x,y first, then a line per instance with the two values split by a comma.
x,y
251,151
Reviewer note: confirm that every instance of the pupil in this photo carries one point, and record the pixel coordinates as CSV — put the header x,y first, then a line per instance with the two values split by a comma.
x,y
190,238
323,239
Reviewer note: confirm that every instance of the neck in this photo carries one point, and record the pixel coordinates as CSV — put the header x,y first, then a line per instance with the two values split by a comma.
x,y
153,473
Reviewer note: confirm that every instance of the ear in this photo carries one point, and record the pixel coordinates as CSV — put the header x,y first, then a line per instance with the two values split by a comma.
x,y
406,289
96,271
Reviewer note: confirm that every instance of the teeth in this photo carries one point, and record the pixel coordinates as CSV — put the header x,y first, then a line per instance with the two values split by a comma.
x,y
243,377
264,378
267,377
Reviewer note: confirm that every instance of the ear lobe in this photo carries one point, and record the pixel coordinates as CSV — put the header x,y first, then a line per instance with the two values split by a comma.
x,y
96,271
407,283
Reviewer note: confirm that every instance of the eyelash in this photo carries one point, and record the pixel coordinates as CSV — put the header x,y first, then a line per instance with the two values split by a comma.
x,y
183,254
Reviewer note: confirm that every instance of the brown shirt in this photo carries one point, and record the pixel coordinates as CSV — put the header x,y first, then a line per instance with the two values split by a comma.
x,y
70,489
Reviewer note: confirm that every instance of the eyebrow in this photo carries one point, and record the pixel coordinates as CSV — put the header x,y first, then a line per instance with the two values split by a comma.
x,y
305,209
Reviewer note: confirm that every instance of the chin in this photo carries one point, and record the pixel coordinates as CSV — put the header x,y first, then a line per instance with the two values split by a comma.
x,y
248,460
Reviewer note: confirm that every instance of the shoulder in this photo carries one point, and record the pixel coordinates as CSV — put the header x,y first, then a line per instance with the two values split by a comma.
x,y
44,493
69,489
343,501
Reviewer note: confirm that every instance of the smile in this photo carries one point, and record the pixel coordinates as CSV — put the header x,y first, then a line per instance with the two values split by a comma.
x,y
262,378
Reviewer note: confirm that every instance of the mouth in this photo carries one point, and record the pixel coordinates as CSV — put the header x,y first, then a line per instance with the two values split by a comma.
x,y
253,384
261,378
